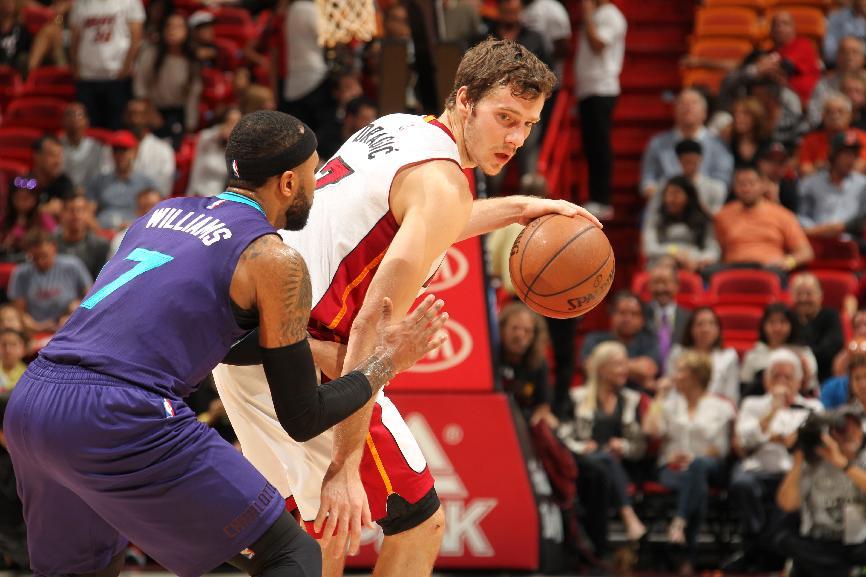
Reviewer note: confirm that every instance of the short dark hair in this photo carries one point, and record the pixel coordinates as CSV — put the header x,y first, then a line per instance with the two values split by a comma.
x,y
746,167
354,106
37,237
258,135
493,63
40,142
621,296
688,146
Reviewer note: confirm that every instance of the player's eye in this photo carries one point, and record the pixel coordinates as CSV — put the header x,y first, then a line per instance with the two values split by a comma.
x,y
504,117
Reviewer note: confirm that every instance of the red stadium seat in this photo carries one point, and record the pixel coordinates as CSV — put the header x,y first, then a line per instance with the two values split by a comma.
x,y
11,167
51,82
757,5
10,85
744,287
835,254
16,143
45,114
739,323
709,78
35,17
721,48
728,21
836,286
6,269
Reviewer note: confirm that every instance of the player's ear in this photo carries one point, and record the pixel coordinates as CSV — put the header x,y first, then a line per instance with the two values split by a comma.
x,y
462,99
288,183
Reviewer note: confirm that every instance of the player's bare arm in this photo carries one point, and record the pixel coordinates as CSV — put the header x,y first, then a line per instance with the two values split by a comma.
x,y
493,213
431,202
273,278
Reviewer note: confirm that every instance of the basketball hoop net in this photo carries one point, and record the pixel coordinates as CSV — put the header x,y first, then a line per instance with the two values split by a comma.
x,y
343,21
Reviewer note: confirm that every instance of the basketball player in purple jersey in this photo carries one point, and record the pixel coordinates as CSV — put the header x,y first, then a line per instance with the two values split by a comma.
x,y
102,443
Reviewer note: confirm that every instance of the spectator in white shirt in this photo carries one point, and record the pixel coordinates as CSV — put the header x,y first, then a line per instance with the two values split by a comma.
x,y
306,91
103,47
601,50
703,334
155,157
208,174
695,428
84,158
765,430
550,19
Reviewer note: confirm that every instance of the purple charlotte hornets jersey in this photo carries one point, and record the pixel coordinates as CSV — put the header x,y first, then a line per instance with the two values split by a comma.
x,y
159,315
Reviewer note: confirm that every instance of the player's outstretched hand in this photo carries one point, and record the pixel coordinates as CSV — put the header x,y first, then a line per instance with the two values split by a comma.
x,y
343,511
536,207
416,335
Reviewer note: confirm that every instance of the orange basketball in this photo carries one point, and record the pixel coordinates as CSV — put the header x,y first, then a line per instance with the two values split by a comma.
x,y
561,267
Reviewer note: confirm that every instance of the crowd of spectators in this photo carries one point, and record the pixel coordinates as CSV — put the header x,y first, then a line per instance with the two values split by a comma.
x,y
747,177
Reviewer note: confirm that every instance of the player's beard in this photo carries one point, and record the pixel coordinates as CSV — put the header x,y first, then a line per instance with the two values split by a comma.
x,y
298,211
471,135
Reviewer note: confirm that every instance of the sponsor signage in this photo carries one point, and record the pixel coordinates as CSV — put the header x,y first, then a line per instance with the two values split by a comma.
x,y
491,516
463,363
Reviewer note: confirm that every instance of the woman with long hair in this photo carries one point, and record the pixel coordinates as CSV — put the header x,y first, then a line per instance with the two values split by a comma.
x,y
523,364
750,130
605,430
678,226
778,328
168,75
22,215
704,334
694,427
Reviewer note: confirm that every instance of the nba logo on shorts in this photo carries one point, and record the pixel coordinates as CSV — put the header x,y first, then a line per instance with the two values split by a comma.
x,y
169,409
248,553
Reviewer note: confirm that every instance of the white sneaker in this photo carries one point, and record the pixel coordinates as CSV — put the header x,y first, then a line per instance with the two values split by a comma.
x,y
599,211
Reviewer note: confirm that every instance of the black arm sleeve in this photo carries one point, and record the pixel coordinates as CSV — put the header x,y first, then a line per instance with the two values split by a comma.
x,y
305,409
246,351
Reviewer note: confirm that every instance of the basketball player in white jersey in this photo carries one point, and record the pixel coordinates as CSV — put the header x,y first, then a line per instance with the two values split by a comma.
x,y
387,206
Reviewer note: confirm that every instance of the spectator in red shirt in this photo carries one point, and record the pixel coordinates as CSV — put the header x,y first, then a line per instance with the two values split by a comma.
x,y
799,58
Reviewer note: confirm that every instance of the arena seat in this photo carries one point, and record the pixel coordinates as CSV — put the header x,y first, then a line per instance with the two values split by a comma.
x,y
235,24
50,82
721,48
16,143
739,323
729,22
103,135
744,287
709,78
756,5
35,17
10,85
44,114
835,254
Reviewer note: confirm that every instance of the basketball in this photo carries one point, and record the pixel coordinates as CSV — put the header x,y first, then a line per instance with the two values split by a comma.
x,y
561,267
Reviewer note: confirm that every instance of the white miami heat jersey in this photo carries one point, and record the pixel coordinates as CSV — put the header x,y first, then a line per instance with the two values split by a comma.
x,y
351,224
349,229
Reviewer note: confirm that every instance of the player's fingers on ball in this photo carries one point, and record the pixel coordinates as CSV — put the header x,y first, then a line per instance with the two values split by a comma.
x,y
321,517
585,213
567,208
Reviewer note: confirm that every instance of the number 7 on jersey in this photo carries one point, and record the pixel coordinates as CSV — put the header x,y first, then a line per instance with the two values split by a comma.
x,y
147,260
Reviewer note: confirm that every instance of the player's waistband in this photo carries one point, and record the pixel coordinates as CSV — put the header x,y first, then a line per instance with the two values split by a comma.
x,y
53,371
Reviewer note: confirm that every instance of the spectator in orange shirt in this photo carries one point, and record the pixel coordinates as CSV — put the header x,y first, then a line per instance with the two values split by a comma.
x,y
754,231
815,148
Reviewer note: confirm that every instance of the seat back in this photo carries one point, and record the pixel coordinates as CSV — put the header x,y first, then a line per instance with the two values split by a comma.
x,y
836,285
45,114
744,286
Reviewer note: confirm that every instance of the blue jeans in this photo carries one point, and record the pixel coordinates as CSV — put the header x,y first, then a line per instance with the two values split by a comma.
x,y
692,486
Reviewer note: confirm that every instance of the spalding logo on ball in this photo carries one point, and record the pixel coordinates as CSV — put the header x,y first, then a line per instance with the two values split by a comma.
x,y
561,266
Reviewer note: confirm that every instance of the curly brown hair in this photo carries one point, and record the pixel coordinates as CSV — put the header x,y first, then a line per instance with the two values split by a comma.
x,y
537,351
493,63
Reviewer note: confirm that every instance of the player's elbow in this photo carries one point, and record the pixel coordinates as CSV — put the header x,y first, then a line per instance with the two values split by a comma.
x,y
299,429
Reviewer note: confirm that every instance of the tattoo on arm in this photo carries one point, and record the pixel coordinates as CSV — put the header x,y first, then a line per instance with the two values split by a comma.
x,y
297,300
378,369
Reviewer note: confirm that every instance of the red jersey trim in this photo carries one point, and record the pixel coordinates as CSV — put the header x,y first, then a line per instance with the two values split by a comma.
x,y
430,119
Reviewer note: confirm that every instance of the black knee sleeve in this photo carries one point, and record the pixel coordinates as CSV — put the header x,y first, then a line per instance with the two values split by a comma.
x,y
285,550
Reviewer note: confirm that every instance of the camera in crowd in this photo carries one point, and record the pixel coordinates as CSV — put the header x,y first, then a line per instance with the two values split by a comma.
x,y
824,422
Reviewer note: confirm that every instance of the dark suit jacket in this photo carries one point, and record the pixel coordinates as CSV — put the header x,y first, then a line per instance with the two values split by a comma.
x,y
823,335
681,319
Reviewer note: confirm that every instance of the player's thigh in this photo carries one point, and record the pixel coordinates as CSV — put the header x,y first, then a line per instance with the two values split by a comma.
x,y
395,474
64,534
